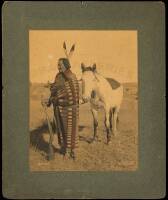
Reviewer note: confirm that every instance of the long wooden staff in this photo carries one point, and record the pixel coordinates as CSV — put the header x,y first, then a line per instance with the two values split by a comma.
x,y
51,150
55,123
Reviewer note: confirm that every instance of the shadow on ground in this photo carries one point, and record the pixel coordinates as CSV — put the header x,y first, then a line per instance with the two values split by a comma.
x,y
83,138
37,140
81,127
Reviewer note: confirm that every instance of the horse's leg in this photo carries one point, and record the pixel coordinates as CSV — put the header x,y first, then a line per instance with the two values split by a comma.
x,y
95,122
107,124
115,119
110,119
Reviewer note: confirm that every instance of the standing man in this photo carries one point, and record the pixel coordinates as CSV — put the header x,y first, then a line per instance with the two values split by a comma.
x,y
65,100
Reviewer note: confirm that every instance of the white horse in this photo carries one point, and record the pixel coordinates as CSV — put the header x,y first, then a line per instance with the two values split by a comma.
x,y
97,90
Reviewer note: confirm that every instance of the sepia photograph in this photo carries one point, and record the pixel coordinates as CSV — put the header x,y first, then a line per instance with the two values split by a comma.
x,y
83,100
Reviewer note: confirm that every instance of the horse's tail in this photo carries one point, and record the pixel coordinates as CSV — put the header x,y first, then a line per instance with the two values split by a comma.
x,y
117,119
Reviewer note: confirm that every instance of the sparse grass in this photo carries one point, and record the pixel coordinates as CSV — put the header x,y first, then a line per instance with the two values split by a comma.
x,y
121,154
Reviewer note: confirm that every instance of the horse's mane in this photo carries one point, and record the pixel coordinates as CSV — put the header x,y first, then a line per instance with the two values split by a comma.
x,y
113,83
99,76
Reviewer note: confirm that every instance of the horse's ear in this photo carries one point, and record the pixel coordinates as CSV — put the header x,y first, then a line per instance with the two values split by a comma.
x,y
71,51
83,67
94,67
64,45
72,48
65,50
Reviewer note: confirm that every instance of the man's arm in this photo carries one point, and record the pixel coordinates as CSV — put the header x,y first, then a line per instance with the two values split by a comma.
x,y
58,85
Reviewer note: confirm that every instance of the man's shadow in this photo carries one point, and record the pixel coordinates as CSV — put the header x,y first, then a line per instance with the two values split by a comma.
x,y
37,139
39,144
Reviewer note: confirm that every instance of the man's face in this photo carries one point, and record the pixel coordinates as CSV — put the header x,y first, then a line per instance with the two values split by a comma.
x,y
61,67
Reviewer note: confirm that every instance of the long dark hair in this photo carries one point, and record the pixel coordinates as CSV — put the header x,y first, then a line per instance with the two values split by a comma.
x,y
66,62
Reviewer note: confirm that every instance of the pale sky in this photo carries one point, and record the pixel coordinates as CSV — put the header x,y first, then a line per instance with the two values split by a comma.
x,y
114,52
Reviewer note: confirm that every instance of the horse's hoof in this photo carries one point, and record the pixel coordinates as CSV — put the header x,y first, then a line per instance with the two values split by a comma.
x,y
109,140
96,139
90,141
115,133
93,140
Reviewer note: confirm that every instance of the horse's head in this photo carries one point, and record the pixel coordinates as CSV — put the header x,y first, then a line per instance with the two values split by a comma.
x,y
88,81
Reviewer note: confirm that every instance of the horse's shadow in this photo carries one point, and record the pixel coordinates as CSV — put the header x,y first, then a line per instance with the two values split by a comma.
x,y
81,127
83,138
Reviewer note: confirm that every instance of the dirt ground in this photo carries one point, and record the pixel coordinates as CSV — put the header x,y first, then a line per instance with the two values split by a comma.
x,y
121,154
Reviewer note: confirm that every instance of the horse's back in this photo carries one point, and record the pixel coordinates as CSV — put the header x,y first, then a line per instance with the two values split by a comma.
x,y
115,96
